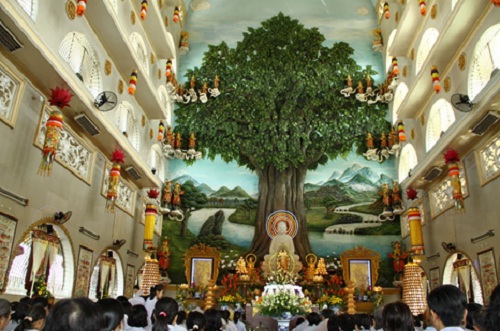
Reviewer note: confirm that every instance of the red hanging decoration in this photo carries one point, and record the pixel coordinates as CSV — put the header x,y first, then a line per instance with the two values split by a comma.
x,y
395,68
80,7
144,9
423,7
496,3
59,98
401,132
113,180
168,70
149,223
451,158
132,83
387,14
411,193
176,14
161,130
435,79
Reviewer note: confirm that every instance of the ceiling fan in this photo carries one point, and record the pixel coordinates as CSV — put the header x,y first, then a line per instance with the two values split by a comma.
x,y
105,101
461,102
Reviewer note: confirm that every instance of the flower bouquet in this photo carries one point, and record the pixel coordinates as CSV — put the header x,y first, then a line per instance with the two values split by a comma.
x,y
331,301
282,305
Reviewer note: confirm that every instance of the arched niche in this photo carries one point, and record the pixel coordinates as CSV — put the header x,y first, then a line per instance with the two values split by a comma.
x,y
407,161
60,272
461,274
107,280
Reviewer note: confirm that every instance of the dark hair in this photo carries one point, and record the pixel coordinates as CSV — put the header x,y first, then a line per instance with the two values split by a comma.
x,y
195,321
300,320
36,313
78,314
479,319
377,318
492,316
165,311
112,313
212,320
313,318
333,323
471,309
362,321
449,303
40,301
236,317
21,311
154,289
326,313
5,308
181,317
346,322
397,317
225,314
127,308
121,299
138,317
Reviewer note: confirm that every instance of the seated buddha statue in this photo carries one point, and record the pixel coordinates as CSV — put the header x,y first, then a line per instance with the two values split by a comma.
x,y
281,253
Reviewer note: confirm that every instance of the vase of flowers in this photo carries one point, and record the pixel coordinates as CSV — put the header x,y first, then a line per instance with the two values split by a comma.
x,y
332,302
282,305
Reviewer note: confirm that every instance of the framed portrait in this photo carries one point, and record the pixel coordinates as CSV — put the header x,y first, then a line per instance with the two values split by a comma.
x,y
129,281
8,225
201,271
360,273
488,269
434,278
83,272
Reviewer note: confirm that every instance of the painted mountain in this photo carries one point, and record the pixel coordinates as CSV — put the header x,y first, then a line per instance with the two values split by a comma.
x,y
222,192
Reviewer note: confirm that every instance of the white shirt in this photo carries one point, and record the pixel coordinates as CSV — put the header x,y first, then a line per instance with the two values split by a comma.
x,y
452,328
150,306
241,326
230,326
302,326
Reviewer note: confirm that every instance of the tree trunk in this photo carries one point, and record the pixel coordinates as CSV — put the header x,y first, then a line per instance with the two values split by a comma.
x,y
281,190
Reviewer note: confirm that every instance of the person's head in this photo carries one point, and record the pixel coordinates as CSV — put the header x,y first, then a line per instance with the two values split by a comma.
x,y
362,321
121,299
492,316
300,320
5,311
127,307
195,321
78,314
112,314
333,323
447,306
346,322
21,311
397,317
212,320
181,317
471,309
138,317
313,318
225,315
156,291
378,320
165,313
35,319
478,320
41,301
236,316
326,313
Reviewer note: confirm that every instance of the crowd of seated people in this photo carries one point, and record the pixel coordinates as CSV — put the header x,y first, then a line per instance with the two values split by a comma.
x,y
447,310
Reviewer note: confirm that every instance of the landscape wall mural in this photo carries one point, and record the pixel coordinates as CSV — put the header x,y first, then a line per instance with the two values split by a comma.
x,y
342,207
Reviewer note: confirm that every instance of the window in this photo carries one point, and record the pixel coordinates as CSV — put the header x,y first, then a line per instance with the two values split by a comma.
x,y
156,160
107,277
77,52
140,50
441,117
407,161
127,123
428,40
399,96
30,7
166,104
485,59
388,57
463,277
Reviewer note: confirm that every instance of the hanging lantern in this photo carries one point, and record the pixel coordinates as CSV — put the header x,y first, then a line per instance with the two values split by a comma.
x,y
496,3
395,68
435,79
413,292
401,132
168,70
161,130
423,7
144,9
451,158
60,98
151,213
387,14
113,180
150,274
411,193
416,237
132,83
177,16
80,7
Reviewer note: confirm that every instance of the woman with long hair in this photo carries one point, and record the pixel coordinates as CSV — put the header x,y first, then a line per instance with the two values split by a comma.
x,y
155,294
195,321
112,314
397,317
165,314
34,320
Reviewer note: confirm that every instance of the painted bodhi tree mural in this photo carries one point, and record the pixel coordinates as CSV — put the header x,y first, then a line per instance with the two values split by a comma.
x,y
280,113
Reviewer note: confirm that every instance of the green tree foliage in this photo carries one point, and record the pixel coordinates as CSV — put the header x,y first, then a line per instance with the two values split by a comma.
x,y
192,199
